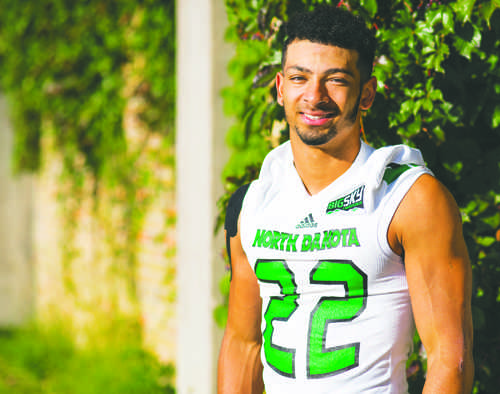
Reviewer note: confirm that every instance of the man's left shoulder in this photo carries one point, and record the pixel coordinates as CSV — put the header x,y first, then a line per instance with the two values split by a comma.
x,y
429,205
428,191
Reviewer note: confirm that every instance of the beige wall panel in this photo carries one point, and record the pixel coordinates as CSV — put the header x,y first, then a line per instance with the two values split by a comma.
x,y
16,257
201,73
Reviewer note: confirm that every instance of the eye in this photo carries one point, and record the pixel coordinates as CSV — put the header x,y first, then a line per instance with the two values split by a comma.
x,y
338,81
297,78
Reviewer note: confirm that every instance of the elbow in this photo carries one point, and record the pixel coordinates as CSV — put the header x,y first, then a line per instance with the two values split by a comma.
x,y
452,369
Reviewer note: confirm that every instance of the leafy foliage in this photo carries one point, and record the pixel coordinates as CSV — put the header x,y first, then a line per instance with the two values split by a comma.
x,y
39,359
62,63
75,73
438,90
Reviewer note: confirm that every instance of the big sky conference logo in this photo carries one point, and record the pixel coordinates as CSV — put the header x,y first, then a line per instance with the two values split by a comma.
x,y
351,201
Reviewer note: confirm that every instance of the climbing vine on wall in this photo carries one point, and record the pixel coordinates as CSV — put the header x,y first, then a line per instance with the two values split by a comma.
x,y
438,75
73,72
62,61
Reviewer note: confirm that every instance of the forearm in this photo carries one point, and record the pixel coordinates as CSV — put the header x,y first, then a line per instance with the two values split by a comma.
x,y
239,367
447,375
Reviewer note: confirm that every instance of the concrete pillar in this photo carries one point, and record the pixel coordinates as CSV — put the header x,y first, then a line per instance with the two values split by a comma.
x,y
16,246
202,60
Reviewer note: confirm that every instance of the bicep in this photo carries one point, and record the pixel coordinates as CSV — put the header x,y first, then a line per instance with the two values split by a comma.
x,y
437,267
244,297
244,310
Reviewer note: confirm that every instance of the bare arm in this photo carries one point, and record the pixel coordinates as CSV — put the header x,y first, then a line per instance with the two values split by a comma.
x,y
427,227
240,367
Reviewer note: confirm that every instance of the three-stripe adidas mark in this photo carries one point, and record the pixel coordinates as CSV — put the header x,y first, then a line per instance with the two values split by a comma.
x,y
307,222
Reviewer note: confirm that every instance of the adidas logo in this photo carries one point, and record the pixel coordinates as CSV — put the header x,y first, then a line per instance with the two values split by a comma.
x,y
308,222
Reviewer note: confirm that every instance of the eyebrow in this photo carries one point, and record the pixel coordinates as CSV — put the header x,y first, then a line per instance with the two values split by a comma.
x,y
329,71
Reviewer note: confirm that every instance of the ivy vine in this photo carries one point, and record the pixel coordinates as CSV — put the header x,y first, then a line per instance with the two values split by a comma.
x,y
71,70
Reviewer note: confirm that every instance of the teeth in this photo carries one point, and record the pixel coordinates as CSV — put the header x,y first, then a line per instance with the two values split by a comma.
x,y
312,117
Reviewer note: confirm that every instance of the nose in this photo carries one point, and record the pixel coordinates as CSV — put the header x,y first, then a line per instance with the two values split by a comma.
x,y
315,92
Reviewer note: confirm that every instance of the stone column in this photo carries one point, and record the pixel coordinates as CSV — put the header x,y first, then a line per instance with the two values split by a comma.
x,y
202,60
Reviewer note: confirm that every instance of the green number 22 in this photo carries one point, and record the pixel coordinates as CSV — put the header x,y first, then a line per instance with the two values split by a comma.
x,y
321,361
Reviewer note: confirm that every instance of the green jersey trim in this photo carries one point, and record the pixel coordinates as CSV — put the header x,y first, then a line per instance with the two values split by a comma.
x,y
394,170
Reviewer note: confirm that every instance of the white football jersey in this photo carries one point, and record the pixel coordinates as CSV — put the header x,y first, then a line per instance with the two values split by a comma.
x,y
336,313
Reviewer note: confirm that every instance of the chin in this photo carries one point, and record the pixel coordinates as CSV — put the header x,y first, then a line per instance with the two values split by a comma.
x,y
317,139
315,142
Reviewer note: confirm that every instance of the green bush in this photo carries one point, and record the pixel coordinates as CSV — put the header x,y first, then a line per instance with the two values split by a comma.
x,y
45,360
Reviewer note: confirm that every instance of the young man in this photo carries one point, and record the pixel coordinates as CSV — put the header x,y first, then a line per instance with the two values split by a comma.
x,y
338,249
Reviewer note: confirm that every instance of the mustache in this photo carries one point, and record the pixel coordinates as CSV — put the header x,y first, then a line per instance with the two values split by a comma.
x,y
321,107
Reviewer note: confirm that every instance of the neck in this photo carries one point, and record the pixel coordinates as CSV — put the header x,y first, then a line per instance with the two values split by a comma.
x,y
319,166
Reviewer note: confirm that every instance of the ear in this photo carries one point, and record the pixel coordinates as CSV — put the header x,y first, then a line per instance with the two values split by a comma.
x,y
368,94
279,87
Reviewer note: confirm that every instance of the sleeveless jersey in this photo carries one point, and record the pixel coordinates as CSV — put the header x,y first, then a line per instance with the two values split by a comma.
x,y
336,313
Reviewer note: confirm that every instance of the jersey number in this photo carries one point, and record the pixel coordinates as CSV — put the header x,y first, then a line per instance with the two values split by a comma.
x,y
321,361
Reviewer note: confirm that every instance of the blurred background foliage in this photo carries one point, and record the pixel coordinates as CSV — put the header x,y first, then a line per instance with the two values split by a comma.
x,y
64,63
43,360
438,75
73,73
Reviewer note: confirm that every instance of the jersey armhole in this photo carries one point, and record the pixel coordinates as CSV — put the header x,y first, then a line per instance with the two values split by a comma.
x,y
232,215
392,206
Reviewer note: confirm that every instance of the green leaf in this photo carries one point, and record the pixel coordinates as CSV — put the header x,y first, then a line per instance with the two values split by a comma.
x,y
427,105
463,9
370,6
414,128
448,20
495,119
463,47
425,33
470,207
439,133
416,106
220,315
433,16
427,50
406,109
485,241
487,10
436,95
225,283
493,221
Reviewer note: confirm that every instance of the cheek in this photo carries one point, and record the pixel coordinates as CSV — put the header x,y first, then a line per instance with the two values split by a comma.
x,y
292,96
339,96
284,98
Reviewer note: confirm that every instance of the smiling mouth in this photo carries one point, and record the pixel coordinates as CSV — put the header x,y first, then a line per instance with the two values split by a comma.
x,y
316,120
317,117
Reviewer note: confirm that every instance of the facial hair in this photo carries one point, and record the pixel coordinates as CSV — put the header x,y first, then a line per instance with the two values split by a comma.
x,y
315,139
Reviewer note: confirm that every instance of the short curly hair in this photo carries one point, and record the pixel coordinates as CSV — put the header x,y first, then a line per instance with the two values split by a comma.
x,y
331,25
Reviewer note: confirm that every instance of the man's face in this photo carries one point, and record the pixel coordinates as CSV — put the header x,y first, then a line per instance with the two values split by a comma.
x,y
320,89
